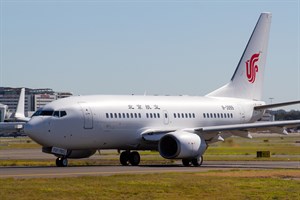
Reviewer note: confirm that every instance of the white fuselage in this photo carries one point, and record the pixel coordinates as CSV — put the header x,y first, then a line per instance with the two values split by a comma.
x,y
117,122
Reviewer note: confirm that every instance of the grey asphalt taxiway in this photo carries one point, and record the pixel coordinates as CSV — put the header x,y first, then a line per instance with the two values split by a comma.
x,y
74,171
107,170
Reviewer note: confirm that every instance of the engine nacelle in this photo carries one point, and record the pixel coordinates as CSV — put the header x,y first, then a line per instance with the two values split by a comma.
x,y
181,144
81,153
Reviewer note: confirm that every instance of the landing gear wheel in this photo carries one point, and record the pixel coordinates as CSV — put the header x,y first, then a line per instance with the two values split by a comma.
x,y
134,158
197,161
186,162
124,158
57,162
61,162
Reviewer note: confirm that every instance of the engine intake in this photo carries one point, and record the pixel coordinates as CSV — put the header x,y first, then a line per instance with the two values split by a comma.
x,y
181,144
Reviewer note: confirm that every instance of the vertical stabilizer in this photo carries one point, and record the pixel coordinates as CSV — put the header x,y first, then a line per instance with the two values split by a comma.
x,y
247,80
20,112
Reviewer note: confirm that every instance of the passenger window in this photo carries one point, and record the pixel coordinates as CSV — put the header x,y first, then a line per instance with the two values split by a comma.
x,y
174,115
178,114
215,115
231,115
111,115
193,115
131,115
116,116
182,115
123,115
221,115
135,115
204,115
211,115
120,116
154,115
107,115
190,115
151,115
140,116
127,115
158,115
166,115
218,115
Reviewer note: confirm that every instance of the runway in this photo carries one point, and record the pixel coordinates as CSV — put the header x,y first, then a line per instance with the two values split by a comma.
x,y
56,172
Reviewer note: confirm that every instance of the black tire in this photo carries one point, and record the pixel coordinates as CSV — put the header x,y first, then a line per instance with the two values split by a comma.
x,y
124,158
134,158
58,163
64,162
197,162
186,162
61,162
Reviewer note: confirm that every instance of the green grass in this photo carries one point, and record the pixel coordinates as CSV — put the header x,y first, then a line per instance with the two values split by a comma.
x,y
258,184
18,143
239,146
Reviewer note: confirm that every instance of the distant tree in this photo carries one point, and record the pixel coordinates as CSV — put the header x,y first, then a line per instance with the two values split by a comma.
x,y
284,115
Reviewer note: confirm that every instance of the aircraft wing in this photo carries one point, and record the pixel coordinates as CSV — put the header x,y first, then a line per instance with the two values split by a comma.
x,y
218,133
11,127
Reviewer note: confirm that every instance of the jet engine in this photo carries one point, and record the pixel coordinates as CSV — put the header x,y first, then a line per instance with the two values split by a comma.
x,y
181,144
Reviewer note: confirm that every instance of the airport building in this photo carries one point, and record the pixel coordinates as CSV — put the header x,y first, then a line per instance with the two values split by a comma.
x,y
34,98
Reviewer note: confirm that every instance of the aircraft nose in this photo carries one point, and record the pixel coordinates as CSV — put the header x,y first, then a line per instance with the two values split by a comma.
x,y
34,128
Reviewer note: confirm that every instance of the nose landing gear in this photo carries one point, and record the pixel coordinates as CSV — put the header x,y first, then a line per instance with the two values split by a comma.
x,y
61,162
128,157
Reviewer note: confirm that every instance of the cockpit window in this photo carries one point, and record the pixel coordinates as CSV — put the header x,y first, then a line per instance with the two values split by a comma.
x,y
59,113
37,113
56,114
50,113
43,113
63,113
47,112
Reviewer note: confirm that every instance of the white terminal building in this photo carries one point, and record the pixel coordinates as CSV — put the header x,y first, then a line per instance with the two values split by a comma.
x,y
34,98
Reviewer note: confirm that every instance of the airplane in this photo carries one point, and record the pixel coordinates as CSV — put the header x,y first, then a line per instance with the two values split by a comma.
x,y
15,123
178,127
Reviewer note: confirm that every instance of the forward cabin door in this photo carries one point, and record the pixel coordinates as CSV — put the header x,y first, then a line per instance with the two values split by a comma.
x,y
87,115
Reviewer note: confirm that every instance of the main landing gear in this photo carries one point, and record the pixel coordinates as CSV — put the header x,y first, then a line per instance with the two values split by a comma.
x,y
61,162
196,162
128,157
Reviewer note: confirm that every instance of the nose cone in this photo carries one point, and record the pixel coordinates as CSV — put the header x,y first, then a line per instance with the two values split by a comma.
x,y
36,129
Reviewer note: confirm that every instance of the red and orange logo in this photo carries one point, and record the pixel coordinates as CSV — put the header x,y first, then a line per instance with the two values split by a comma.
x,y
252,67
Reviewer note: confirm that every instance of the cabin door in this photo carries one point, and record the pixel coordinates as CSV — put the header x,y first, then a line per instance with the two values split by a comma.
x,y
87,116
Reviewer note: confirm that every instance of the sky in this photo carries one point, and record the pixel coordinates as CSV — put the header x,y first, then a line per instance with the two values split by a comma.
x,y
136,47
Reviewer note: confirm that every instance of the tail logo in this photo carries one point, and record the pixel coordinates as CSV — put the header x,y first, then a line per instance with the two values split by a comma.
x,y
252,67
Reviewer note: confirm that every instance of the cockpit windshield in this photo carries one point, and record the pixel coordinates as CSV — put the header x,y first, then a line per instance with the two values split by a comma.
x,y
57,113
